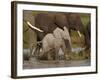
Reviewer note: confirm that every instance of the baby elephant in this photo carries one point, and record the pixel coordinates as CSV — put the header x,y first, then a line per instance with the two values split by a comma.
x,y
52,43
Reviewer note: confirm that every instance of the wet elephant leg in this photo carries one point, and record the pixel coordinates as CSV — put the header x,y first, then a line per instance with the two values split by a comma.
x,y
49,56
66,50
48,43
56,54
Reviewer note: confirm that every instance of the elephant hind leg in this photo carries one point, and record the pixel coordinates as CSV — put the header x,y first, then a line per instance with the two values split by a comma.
x,y
49,55
52,54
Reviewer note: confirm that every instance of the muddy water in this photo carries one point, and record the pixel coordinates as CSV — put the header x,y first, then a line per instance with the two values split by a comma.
x,y
77,50
34,63
51,64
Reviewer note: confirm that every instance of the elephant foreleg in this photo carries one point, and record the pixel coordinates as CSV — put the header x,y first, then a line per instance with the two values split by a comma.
x,y
56,54
66,51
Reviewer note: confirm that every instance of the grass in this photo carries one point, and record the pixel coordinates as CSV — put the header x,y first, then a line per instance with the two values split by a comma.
x,y
81,55
76,40
29,37
85,19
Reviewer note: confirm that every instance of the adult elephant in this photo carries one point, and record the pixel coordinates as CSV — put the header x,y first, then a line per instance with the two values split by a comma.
x,y
48,22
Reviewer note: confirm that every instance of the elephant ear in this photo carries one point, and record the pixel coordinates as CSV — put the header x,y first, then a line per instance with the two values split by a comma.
x,y
66,33
61,20
67,39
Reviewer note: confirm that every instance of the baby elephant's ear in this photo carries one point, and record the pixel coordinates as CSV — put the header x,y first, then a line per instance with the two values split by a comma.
x,y
65,28
66,33
61,20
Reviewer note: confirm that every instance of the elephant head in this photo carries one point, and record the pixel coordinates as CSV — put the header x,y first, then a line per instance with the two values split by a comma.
x,y
75,23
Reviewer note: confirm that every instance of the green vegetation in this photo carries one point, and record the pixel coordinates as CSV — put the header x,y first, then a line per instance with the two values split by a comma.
x,y
29,36
85,19
76,40
25,35
81,55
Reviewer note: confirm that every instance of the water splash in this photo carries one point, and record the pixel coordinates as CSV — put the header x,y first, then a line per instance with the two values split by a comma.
x,y
78,49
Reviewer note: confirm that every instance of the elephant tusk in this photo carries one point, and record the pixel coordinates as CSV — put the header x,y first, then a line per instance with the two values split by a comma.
x,y
79,33
34,27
